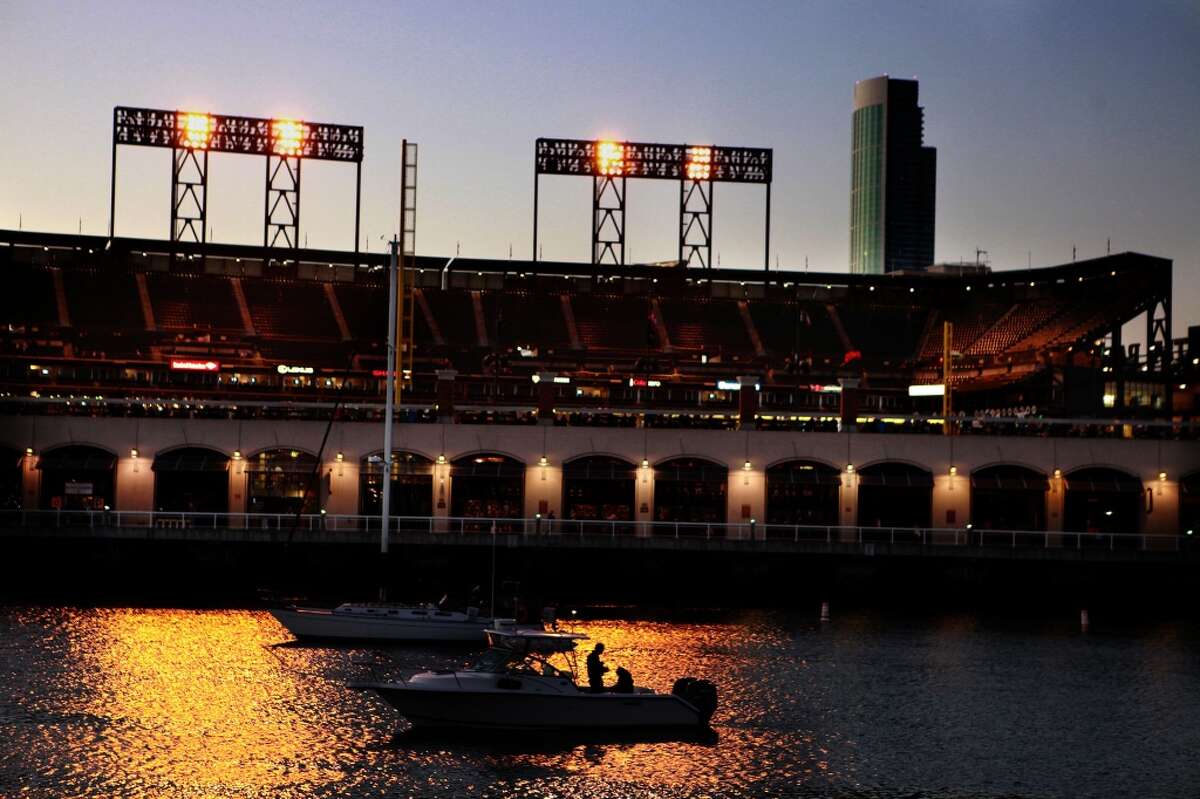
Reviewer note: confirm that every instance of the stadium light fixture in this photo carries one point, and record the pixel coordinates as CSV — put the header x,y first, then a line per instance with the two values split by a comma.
x,y
288,136
699,163
696,167
192,135
194,130
610,158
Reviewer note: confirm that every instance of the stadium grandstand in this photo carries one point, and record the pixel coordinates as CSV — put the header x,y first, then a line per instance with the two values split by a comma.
x,y
733,389
126,319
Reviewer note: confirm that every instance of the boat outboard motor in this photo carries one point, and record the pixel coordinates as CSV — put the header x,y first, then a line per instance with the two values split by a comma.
x,y
700,694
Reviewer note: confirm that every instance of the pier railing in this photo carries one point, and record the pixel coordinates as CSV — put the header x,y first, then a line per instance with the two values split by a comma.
x,y
332,528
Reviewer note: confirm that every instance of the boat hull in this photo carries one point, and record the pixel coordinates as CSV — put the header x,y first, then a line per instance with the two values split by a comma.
x,y
518,711
323,624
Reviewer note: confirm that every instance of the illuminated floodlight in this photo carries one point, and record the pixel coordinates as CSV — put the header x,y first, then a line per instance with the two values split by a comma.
x,y
195,130
699,163
610,158
287,136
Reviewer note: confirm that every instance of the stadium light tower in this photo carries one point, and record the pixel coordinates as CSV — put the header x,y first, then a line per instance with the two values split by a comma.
x,y
192,135
697,167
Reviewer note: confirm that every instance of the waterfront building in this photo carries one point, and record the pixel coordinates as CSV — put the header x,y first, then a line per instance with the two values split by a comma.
x,y
212,381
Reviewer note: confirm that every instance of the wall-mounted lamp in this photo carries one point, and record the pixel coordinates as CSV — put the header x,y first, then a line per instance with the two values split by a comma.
x,y
295,454
237,454
850,468
133,453
543,461
1057,474
441,459
341,456
1162,476
746,466
645,463
953,470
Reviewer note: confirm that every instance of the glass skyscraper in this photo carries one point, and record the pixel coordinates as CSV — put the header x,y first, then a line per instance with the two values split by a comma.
x,y
892,179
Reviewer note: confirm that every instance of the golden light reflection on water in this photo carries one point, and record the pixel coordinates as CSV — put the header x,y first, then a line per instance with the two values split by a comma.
x,y
173,703
193,698
199,703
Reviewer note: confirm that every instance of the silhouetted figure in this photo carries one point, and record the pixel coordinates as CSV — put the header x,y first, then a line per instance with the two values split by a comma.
x,y
624,682
596,669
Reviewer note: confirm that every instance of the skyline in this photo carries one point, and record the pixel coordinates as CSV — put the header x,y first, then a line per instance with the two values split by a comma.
x,y
1024,104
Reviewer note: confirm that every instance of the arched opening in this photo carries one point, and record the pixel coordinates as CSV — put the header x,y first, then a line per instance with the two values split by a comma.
x,y
690,490
894,494
11,482
191,480
487,486
1101,500
78,477
599,488
283,481
1189,505
1008,497
411,485
801,493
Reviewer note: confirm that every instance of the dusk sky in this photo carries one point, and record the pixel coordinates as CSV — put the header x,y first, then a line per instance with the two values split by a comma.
x,y
1056,124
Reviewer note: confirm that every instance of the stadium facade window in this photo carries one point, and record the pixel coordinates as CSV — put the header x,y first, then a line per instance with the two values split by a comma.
x,y
801,492
11,479
487,485
283,481
894,494
78,477
411,485
191,480
1102,500
1008,497
599,488
1189,504
692,490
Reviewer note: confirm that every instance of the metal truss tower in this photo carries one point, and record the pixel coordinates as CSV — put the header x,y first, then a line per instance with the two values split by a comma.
x,y
189,194
695,222
283,202
608,220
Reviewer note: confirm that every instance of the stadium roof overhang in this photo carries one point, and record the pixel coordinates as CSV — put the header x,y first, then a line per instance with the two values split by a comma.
x,y
1154,271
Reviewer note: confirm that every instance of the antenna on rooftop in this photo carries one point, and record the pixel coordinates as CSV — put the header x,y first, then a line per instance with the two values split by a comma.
x,y
979,252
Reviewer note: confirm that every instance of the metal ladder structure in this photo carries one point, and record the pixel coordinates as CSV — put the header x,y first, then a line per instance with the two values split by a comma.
x,y
406,277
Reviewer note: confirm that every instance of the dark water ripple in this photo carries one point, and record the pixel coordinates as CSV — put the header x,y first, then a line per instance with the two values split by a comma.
x,y
173,703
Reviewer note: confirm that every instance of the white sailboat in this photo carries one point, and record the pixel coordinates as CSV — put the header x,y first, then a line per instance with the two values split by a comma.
x,y
387,622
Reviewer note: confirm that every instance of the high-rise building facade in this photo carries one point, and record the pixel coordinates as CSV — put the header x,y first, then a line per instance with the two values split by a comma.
x,y
892,179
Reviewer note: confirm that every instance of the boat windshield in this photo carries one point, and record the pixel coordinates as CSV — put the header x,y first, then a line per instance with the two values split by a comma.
x,y
504,661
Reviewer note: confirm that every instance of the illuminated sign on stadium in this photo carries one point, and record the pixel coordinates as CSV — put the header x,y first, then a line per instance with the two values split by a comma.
x,y
288,369
180,365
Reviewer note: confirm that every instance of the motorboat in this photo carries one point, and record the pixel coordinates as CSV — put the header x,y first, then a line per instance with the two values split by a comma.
x,y
525,682
387,622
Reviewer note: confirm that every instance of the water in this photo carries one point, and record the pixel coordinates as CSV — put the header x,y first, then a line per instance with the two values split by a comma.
x,y
184,703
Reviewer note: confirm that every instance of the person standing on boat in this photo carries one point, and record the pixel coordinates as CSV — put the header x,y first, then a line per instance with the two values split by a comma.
x,y
596,669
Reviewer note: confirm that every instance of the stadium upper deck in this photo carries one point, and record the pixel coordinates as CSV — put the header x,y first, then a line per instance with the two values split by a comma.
x,y
141,318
